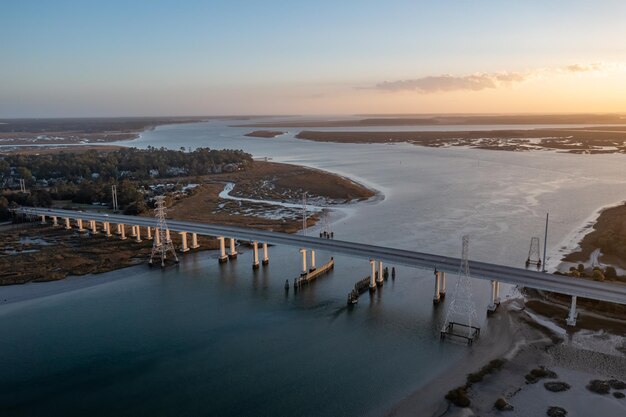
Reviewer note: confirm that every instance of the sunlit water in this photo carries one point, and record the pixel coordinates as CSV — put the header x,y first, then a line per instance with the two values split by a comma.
x,y
205,339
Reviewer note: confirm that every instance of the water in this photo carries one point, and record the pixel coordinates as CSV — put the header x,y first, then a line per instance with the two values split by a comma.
x,y
206,339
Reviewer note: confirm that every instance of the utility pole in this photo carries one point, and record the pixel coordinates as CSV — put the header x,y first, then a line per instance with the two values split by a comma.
x,y
304,214
545,244
114,196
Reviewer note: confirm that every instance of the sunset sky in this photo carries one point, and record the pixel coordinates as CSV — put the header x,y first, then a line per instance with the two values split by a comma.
x,y
122,58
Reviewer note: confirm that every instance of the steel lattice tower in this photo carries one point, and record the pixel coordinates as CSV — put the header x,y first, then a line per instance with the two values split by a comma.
x,y
162,241
534,258
462,309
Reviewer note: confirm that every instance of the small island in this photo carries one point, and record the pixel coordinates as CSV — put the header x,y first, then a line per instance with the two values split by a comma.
x,y
264,133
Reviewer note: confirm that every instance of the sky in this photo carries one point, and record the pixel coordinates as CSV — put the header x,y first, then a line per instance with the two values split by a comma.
x,y
166,58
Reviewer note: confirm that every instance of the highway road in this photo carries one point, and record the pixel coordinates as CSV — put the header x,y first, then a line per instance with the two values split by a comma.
x,y
605,291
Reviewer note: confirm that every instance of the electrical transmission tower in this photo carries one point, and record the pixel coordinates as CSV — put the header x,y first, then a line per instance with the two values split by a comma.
x,y
534,258
162,242
114,196
461,315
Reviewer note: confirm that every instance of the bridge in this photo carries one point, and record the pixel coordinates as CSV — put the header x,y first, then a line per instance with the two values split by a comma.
x,y
604,291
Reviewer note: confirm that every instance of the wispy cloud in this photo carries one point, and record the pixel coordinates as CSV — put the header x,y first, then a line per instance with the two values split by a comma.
x,y
482,80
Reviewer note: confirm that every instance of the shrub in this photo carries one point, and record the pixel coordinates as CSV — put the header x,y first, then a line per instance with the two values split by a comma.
x,y
599,387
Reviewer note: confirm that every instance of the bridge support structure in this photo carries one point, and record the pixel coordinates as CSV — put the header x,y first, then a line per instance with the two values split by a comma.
x,y
194,241
495,297
137,230
55,221
442,284
379,277
223,258
121,230
233,249
266,258
183,242
437,296
313,267
68,225
79,222
43,219
255,259
149,233
304,270
93,227
373,276
106,227
573,314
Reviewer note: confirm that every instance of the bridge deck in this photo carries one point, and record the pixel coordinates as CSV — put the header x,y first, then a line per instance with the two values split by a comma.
x,y
605,291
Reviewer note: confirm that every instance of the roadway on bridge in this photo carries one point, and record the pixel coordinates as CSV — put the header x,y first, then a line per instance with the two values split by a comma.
x,y
605,291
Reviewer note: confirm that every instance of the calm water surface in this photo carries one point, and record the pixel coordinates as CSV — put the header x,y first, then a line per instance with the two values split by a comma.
x,y
213,340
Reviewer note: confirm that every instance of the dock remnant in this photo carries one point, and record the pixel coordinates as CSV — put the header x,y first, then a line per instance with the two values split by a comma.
x,y
304,279
468,333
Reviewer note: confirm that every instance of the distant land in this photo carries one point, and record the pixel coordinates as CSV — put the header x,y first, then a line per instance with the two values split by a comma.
x,y
264,134
415,120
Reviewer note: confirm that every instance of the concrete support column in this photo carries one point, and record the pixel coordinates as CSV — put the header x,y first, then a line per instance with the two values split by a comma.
x,y
437,297
183,238
573,315
137,233
304,270
496,299
106,226
233,250
149,232
255,261
157,236
442,287
68,226
266,258
492,306
194,241
133,231
167,235
55,221
43,219
379,280
122,229
93,227
373,276
313,267
79,222
223,257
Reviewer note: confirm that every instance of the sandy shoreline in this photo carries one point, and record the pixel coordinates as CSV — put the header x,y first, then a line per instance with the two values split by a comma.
x,y
525,340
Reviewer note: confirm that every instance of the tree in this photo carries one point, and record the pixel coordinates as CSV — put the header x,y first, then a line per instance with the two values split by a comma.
x,y
610,273
597,275
25,173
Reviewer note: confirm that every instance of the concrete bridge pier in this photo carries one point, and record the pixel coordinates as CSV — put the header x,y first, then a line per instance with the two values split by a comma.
x,y
304,270
133,231
442,286
137,233
495,298
93,227
68,225
183,239
121,229
106,226
233,249
157,237
149,232
223,258
79,222
373,276
313,267
437,296
55,221
43,219
266,258
194,241
379,278
167,235
573,315
255,261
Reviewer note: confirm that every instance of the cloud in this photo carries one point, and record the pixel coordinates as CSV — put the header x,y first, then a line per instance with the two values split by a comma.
x,y
484,80
447,82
